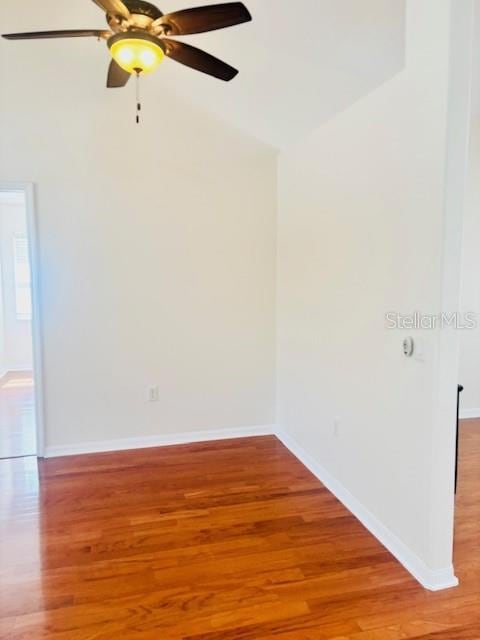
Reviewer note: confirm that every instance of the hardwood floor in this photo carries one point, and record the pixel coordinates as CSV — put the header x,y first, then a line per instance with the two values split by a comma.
x,y
17,418
222,541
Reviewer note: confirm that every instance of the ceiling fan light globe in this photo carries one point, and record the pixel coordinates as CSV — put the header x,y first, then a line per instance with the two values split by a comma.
x,y
136,52
125,55
148,58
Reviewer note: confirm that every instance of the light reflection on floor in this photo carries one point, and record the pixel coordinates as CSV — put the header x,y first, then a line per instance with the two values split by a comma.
x,y
17,416
20,524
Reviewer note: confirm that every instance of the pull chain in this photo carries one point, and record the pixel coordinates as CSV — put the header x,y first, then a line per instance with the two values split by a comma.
x,y
139,104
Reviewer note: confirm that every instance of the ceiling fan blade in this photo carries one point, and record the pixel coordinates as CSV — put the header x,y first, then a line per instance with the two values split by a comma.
x,y
199,60
114,8
200,19
72,33
117,77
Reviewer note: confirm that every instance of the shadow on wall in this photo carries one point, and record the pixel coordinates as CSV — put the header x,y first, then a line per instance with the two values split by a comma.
x,y
299,67
370,51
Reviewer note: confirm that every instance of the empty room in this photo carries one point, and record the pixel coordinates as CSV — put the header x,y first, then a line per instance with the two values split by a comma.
x,y
239,297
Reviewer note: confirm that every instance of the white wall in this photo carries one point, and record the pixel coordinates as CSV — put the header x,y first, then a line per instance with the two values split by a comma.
x,y
157,248
469,374
362,206
470,340
3,364
17,333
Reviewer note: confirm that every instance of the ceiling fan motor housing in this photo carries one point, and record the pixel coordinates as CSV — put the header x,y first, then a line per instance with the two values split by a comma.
x,y
142,14
142,8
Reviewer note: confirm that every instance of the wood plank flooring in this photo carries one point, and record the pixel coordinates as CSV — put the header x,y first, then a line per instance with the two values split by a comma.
x,y
231,540
17,415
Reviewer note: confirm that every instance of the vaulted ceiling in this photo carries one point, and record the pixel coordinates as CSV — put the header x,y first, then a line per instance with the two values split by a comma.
x,y
300,62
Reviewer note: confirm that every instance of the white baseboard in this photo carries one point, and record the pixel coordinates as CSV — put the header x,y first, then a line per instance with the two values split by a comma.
x,y
428,578
468,414
146,442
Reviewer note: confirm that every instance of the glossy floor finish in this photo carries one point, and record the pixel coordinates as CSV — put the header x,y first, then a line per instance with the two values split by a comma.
x,y
17,416
231,540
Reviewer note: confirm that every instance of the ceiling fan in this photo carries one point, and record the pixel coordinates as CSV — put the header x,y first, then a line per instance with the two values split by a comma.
x,y
139,40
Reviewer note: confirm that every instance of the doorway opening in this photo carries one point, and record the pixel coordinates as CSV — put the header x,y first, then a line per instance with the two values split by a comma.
x,y
20,413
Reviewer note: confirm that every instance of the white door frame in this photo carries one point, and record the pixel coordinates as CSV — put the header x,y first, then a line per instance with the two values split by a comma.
x,y
37,335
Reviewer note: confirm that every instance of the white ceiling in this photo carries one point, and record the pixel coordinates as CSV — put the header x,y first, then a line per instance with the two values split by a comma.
x,y
300,61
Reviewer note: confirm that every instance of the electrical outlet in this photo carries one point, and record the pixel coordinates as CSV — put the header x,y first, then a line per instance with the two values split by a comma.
x,y
153,394
336,427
